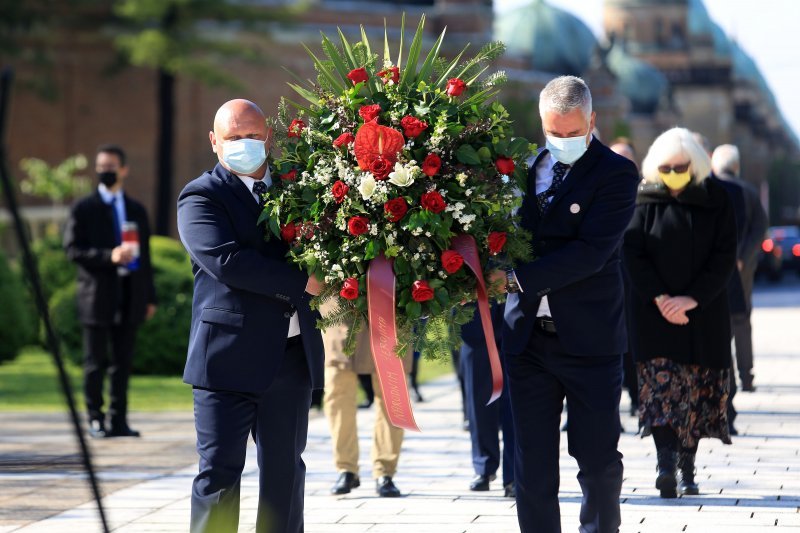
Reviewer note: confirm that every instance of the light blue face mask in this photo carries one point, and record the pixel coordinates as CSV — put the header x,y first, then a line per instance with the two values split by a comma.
x,y
566,150
244,156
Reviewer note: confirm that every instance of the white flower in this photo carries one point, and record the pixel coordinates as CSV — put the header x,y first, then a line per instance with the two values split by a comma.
x,y
402,176
367,186
461,178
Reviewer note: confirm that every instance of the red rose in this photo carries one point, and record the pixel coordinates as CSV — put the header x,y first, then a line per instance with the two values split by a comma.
x,y
349,289
496,241
505,165
344,139
381,167
390,74
358,225
452,261
288,232
421,291
290,176
431,165
369,112
296,127
395,209
412,126
358,75
433,202
455,86
339,191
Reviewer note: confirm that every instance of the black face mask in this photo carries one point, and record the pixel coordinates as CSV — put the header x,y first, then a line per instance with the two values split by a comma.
x,y
109,178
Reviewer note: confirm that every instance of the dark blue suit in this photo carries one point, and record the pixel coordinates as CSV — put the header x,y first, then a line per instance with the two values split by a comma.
x,y
247,377
486,420
577,266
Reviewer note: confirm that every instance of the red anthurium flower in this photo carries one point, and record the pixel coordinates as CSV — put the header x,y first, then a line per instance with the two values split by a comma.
x,y
455,86
390,74
339,191
288,232
451,261
349,289
357,75
421,291
290,176
496,241
376,148
433,202
358,225
296,128
431,165
344,139
395,209
369,112
412,126
505,165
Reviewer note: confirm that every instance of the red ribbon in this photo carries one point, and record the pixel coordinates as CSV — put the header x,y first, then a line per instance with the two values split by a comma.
x,y
465,245
383,341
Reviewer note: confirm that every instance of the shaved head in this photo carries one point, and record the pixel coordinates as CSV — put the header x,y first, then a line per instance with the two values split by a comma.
x,y
239,119
624,150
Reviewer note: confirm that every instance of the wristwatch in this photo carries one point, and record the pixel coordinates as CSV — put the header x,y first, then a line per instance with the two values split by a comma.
x,y
511,282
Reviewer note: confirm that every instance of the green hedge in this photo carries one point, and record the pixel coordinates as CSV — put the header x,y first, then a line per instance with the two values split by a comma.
x,y
17,322
162,342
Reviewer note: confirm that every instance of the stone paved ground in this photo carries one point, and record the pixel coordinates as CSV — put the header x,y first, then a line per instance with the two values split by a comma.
x,y
751,486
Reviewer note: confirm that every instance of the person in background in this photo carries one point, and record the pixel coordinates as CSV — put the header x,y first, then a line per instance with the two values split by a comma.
x,y
340,404
485,421
725,163
116,292
679,250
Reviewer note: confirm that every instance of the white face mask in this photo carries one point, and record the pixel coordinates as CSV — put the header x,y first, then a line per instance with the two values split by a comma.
x,y
566,150
244,156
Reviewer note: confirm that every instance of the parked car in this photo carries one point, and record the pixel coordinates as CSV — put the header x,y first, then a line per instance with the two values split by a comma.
x,y
781,252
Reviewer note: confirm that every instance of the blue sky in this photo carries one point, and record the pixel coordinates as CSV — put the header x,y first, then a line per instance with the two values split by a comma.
x,y
767,30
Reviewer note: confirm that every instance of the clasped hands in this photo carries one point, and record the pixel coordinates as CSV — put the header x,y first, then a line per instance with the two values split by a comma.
x,y
674,308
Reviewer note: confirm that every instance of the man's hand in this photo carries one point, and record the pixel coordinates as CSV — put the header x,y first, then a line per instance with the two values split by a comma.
x,y
122,255
151,311
740,264
314,286
497,280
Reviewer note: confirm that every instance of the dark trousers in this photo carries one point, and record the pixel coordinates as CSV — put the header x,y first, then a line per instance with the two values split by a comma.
x,y
540,378
485,421
278,420
96,343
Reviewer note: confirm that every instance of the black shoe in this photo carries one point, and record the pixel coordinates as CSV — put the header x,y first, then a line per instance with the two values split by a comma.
x,y
687,485
634,409
347,481
418,397
366,404
97,429
481,483
385,488
465,425
122,429
667,482
510,490
732,430
747,384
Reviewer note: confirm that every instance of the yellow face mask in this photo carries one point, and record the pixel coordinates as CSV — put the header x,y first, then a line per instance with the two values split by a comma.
x,y
675,180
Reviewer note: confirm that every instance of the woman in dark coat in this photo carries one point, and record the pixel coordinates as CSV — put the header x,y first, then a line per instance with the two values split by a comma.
x,y
680,251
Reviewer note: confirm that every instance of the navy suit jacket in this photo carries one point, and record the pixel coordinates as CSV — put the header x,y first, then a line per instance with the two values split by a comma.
x,y
244,290
577,261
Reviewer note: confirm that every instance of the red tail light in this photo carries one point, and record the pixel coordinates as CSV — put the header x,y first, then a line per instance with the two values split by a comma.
x,y
796,250
768,245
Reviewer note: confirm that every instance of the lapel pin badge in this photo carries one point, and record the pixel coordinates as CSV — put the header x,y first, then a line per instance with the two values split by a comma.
x,y
574,209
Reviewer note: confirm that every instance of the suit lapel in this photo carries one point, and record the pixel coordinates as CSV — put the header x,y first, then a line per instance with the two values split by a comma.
x,y
578,170
240,190
530,208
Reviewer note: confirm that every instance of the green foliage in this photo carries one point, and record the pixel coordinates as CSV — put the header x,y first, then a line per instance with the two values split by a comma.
x,y
56,183
162,342
55,270
16,320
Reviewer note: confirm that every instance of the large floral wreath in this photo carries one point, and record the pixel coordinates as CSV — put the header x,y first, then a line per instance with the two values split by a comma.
x,y
394,159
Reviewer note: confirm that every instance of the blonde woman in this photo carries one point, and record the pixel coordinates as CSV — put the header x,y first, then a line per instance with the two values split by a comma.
x,y
680,250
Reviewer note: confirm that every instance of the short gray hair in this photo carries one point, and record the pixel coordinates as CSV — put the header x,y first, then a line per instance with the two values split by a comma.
x,y
670,143
565,93
725,160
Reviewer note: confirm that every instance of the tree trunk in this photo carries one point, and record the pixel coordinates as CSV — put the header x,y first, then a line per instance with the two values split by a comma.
x,y
164,149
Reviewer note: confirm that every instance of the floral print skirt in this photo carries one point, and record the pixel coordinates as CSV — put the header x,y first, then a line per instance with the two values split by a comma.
x,y
689,398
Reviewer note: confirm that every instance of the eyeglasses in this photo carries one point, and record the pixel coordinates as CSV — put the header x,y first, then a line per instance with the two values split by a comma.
x,y
677,169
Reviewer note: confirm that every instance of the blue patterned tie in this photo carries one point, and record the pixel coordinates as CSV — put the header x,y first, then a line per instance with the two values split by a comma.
x,y
115,217
260,188
543,198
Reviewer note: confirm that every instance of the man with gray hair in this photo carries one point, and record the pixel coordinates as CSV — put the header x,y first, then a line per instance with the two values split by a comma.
x,y
564,325
726,165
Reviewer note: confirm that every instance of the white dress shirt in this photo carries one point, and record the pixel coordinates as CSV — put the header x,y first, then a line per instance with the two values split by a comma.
x,y
544,178
294,322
